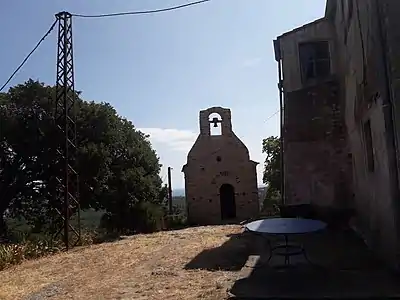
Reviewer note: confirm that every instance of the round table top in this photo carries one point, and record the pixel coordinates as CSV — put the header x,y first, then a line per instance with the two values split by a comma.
x,y
285,226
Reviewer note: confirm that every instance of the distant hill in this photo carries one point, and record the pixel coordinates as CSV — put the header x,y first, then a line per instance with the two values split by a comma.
x,y
178,192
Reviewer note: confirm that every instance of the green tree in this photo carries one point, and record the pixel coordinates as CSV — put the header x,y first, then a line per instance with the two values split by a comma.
x,y
119,170
22,148
272,169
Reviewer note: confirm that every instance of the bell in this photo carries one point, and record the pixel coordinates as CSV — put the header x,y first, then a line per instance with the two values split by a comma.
x,y
215,121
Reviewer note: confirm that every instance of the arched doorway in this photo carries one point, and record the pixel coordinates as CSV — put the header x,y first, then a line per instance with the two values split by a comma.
x,y
227,200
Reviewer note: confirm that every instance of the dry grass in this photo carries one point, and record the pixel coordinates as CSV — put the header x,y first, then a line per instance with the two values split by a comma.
x,y
141,267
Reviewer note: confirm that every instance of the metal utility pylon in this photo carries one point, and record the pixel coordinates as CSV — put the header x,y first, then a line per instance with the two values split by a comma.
x,y
65,122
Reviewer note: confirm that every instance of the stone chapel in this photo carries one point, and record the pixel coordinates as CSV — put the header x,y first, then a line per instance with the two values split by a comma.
x,y
220,179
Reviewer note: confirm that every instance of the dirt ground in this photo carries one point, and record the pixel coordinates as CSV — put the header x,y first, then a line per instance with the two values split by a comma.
x,y
163,265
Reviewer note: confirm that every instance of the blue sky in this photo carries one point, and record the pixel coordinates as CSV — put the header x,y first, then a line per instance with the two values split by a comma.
x,y
160,70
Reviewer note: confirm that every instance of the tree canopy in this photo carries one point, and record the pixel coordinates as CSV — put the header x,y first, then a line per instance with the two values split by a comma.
x,y
118,168
272,168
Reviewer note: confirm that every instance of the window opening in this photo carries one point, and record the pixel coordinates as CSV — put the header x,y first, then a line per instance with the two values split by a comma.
x,y
314,60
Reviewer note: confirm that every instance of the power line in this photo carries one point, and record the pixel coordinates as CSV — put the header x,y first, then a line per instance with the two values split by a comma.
x,y
140,12
97,16
29,55
272,115
164,177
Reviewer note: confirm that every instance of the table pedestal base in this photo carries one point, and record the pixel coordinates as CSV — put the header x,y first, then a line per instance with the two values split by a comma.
x,y
286,250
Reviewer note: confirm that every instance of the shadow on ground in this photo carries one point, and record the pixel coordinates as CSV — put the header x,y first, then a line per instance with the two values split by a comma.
x,y
302,283
230,256
347,269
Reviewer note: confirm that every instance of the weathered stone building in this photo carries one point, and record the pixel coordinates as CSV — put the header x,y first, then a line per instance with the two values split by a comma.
x,y
316,156
357,97
220,178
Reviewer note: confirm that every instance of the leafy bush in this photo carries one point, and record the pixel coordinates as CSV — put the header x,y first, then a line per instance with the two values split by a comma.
x,y
144,217
177,221
272,199
99,236
149,217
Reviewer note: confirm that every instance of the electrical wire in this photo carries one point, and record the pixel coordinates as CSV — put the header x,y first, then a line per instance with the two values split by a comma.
x,y
29,55
272,115
97,16
140,12
164,178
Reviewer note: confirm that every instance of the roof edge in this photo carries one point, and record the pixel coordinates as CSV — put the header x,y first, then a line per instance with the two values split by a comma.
x,y
301,27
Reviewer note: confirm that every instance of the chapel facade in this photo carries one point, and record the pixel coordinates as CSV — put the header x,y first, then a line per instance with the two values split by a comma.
x,y
220,179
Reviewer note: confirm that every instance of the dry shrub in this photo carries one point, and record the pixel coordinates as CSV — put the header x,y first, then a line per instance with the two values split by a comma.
x,y
35,246
11,254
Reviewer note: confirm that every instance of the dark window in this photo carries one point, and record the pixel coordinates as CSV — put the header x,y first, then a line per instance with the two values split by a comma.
x,y
369,150
219,158
314,60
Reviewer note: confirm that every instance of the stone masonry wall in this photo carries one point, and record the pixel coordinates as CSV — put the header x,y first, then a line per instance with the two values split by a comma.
x,y
204,174
390,11
316,158
366,38
363,73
